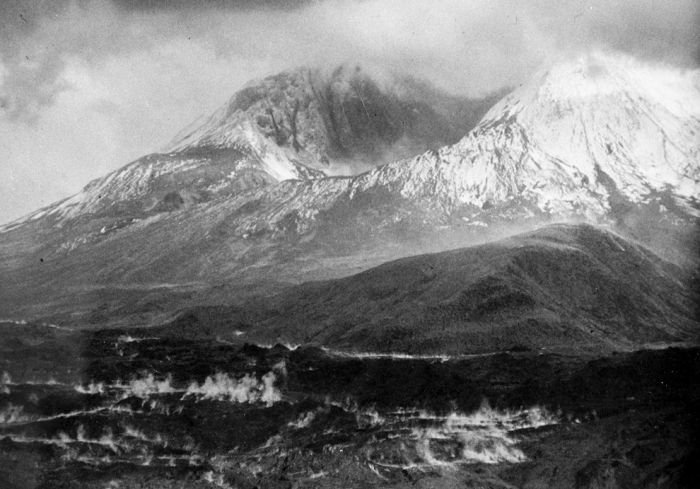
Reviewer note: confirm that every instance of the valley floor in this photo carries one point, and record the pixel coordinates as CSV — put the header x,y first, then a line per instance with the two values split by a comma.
x,y
127,409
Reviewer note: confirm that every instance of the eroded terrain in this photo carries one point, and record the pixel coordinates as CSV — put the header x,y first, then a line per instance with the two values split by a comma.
x,y
128,409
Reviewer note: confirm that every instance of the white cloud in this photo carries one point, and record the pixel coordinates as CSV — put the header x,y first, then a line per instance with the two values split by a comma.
x,y
111,112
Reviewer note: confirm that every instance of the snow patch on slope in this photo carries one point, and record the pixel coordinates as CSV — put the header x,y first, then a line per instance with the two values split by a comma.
x,y
579,132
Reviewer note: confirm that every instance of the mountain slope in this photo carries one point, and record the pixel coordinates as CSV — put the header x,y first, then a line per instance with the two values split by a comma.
x,y
565,287
297,125
584,133
166,182
343,121
584,141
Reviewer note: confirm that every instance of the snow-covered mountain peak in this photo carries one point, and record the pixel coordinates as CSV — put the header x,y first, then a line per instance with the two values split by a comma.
x,y
603,78
597,126
588,138
589,77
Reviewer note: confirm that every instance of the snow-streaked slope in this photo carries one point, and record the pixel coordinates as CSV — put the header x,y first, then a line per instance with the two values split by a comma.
x,y
576,141
570,139
162,182
296,125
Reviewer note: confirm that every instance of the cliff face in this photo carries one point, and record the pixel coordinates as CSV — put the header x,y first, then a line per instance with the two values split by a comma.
x,y
340,122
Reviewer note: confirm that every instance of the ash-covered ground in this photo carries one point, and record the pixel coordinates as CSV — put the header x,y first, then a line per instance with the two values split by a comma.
x,y
118,408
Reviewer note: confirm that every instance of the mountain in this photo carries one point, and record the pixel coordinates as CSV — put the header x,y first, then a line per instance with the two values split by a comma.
x,y
584,140
601,139
338,122
297,125
563,287
594,139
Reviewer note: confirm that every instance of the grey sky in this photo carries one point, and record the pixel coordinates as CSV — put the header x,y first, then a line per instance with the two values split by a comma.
x,y
86,86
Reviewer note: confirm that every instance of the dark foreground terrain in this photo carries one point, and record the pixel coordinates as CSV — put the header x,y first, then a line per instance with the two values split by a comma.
x,y
128,409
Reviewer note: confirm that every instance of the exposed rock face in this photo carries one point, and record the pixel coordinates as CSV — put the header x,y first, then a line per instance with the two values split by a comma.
x,y
345,121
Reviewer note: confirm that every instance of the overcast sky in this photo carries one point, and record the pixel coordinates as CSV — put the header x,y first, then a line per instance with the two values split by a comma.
x,y
87,86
